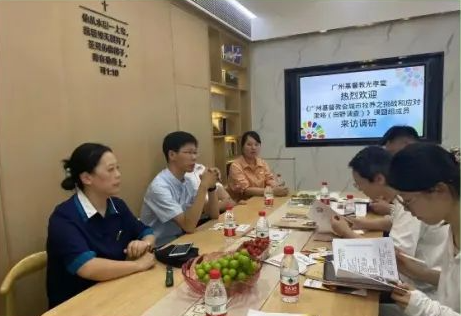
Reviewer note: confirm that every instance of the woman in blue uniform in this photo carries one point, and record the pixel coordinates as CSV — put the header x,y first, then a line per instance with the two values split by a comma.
x,y
93,236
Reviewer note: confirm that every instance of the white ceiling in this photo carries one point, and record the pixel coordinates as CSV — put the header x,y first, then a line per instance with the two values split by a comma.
x,y
279,18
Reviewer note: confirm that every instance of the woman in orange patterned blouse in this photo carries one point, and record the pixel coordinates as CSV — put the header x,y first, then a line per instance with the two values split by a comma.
x,y
249,174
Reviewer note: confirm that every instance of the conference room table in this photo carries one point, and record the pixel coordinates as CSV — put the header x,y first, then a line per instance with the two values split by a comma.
x,y
137,294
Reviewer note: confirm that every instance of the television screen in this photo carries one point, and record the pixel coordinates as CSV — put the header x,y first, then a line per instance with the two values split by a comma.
x,y
356,103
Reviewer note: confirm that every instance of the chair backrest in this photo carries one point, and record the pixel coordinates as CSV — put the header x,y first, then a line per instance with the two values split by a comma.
x,y
28,265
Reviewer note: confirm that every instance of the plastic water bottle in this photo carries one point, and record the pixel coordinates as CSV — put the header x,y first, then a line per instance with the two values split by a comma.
x,y
289,276
325,194
349,207
268,197
262,227
215,295
229,225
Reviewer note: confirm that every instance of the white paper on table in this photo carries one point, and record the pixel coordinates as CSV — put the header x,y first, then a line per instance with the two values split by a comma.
x,y
252,312
303,261
275,234
366,256
321,214
242,228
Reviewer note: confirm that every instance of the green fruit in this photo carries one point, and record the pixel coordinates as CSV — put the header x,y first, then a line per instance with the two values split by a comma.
x,y
244,261
201,273
228,257
225,271
254,264
198,267
232,273
241,276
207,267
244,252
234,264
217,266
224,263
236,255
206,278
227,280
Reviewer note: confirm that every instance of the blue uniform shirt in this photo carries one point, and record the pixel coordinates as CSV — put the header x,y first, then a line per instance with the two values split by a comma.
x,y
77,233
166,198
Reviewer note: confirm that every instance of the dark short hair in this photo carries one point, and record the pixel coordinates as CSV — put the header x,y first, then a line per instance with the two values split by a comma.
x,y
399,131
371,161
251,134
84,158
419,167
174,141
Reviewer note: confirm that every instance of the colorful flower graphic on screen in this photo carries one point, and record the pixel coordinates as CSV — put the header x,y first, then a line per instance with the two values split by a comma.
x,y
411,76
312,130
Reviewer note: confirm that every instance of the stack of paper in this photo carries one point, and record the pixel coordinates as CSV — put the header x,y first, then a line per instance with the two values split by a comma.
x,y
363,263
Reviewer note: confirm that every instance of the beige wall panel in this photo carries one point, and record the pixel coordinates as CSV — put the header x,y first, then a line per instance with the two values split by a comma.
x,y
190,42
52,98
194,117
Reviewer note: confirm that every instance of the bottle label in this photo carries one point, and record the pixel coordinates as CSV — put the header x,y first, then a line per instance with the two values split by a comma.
x,y
325,201
229,231
269,201
216,310
289,285
262,234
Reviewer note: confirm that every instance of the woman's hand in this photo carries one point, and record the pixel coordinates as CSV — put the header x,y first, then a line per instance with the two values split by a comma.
x,y
146,261
380,206
402,298
341,226
137,248
280,191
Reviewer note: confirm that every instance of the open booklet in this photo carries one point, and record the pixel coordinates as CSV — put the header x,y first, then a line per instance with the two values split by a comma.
x,y
363,263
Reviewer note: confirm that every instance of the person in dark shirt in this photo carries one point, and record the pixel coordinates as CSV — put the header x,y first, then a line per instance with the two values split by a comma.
x,y
93,236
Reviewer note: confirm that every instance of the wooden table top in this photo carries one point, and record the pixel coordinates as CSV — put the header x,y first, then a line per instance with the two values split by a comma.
x,y
133,295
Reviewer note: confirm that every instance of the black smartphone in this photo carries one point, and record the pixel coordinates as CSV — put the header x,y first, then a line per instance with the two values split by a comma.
x,y
180,250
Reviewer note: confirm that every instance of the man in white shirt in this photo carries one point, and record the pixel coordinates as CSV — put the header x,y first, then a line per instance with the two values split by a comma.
x,y
370,169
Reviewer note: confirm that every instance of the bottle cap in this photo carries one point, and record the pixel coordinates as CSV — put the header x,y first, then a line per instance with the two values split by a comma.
x,y
324,183
262,213
215,274
288,250
350,196
229,207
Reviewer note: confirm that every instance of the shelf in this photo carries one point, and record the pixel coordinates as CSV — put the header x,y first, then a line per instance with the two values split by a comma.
x,y
232,66
226,86
226,111
223,136
230,159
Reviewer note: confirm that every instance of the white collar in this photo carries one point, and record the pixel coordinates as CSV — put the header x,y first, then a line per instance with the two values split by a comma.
x,y
88,208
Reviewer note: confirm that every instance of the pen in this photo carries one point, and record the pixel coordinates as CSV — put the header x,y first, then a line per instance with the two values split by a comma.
x,y
118,235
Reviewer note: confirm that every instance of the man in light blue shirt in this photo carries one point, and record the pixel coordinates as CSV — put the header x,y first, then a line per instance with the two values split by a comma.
x,y
173,205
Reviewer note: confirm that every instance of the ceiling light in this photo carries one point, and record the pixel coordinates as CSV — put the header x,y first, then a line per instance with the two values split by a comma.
x,y
241,8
